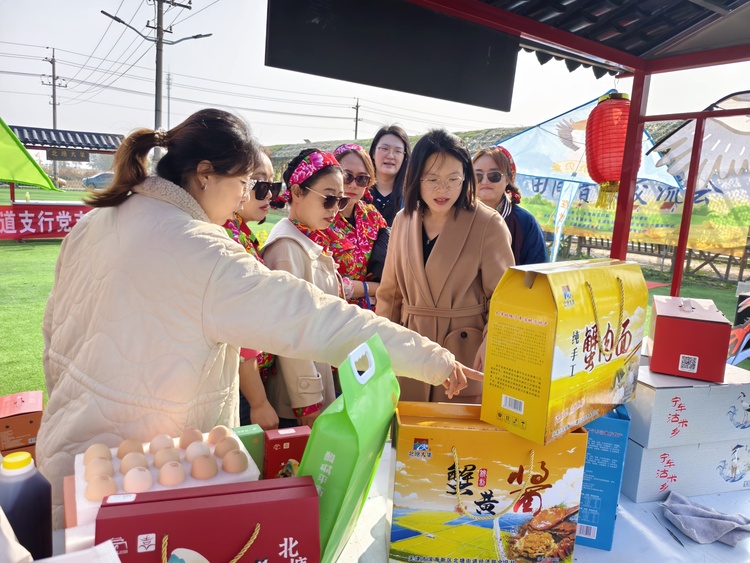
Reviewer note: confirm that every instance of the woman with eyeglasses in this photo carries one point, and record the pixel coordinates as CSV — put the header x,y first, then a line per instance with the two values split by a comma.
x,y
495,172
255,366
359,234
389,152
301,245
152,300
446,256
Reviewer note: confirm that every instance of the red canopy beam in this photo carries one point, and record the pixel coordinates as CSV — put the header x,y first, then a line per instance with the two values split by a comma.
x,y
513,24
687,207
702,59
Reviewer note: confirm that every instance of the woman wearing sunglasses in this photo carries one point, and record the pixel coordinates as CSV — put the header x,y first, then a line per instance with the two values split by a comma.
x,y
255,366
496,174
301,245
359,233
446,255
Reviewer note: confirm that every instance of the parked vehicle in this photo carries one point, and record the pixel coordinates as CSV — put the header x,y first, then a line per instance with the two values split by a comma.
x,y
99,181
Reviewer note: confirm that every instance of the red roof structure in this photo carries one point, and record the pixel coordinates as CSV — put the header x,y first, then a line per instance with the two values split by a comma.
x,y
637,38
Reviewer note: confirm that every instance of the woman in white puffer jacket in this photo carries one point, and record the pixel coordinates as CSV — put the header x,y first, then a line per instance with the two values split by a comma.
x,y
152,300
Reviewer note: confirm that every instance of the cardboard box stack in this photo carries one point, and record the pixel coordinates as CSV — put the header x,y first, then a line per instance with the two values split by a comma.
x,y
688,436
563,351
688,430
20,417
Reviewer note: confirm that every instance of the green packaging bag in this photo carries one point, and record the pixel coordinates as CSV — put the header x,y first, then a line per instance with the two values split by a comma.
x,y
347,440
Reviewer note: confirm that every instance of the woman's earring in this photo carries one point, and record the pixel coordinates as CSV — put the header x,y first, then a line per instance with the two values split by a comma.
x,y
203,187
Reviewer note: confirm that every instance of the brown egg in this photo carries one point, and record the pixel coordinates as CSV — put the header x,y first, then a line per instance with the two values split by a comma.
x,y
195,449
226,445
100,487
137,480
165,455
234,461
128,446
204,467
218,433
97,467
159,442
131,460
96,451
171,474
190,435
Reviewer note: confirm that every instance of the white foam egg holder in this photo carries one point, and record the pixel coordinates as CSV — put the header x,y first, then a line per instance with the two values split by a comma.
x,y
86,510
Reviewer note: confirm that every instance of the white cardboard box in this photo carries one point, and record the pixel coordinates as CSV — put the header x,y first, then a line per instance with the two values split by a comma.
x,y
691,469
672,411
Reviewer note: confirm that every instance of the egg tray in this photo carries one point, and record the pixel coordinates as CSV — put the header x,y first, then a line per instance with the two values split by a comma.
x,y
86,510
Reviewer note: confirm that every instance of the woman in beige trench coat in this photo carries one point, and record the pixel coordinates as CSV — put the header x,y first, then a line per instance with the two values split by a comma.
x,y
447,253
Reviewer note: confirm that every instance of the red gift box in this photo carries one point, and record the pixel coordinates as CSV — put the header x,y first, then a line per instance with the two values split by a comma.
x,y
283,451
690,338
216,522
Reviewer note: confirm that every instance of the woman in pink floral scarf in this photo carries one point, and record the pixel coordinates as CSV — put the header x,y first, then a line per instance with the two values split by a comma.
x,y
357,228
256,366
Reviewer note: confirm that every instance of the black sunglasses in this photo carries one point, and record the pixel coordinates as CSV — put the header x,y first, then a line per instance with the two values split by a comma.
x,y
362,180
330,201
261,189
491,176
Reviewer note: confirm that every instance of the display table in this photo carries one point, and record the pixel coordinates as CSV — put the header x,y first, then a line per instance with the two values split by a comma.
x,y
642,533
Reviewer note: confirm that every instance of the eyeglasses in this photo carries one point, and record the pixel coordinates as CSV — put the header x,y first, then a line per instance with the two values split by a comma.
x,y
331,201
492,177
450,184
262,188
247,186
385,149
362,180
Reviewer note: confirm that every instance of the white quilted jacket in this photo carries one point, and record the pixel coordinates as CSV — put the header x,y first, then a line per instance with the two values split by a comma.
x,y
149,306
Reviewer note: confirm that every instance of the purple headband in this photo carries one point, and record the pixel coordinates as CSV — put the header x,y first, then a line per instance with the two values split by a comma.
x,y
311,164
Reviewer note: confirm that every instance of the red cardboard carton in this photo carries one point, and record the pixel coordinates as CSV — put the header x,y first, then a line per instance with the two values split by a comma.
x,y
690,338
20,416
216,522
283,451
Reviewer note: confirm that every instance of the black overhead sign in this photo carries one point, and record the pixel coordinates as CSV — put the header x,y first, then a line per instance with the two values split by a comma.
x,y
394,44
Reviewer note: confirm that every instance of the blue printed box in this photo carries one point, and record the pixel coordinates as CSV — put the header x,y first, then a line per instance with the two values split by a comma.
x,y
602,476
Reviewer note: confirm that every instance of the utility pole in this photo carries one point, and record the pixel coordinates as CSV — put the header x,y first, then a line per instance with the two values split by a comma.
x,y
169,99
160,42
356,119
54,83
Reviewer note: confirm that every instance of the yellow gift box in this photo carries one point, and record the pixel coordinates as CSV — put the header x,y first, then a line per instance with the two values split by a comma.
x,y
465,490
563,345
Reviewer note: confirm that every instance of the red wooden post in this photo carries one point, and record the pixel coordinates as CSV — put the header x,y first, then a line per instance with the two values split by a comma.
x,y
630,164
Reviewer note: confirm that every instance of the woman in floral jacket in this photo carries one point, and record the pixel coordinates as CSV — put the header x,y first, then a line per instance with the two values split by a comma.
x,y
357,228
255,366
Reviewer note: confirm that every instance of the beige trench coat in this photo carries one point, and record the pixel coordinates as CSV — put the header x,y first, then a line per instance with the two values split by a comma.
x,y
446,299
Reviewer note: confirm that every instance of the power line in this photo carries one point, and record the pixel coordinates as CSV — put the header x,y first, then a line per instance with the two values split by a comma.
x,y
100,41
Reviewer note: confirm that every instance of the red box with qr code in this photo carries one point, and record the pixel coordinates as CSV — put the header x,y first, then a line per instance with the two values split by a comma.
x,y
690,338
283,451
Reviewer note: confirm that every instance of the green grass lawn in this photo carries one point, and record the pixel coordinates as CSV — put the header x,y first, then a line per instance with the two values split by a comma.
x,y
26,275
38,194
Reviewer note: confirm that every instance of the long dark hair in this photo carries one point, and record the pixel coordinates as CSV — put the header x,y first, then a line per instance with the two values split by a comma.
x,y
439,141
221,138
398,183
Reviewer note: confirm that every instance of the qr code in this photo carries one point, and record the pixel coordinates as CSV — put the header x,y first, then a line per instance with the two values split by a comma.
x,y
688,364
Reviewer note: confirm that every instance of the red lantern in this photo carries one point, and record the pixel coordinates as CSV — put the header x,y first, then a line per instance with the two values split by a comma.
x,y
606,130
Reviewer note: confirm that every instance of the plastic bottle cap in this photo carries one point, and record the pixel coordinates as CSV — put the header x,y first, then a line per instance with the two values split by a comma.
x,y
17,460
